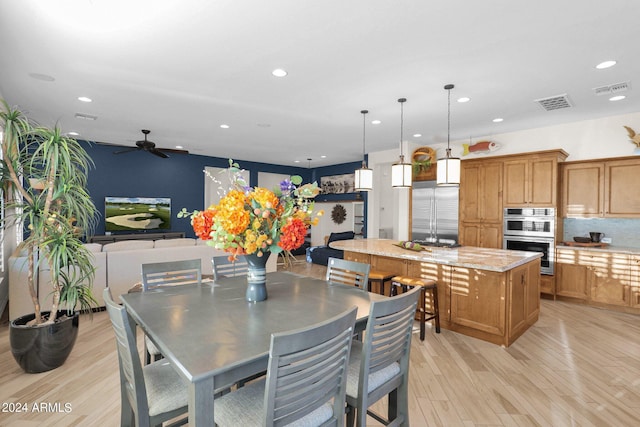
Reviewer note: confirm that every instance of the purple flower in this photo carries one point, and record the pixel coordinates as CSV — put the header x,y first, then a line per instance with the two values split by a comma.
x,y
287,186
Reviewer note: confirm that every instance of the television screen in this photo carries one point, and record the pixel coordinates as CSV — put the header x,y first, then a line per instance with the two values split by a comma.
x,y
137,213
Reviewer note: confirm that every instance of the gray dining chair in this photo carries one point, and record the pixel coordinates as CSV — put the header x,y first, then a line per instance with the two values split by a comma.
x,y
348,273
170,273
224,267
305,382
151,394
379,365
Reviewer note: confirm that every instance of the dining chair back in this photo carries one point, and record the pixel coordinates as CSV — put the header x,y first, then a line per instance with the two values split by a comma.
x,y
379,365
305,383
348,273
224,267
171,273
149,395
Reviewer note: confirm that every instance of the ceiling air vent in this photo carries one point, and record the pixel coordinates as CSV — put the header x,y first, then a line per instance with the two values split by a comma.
x,y
554,102
614,88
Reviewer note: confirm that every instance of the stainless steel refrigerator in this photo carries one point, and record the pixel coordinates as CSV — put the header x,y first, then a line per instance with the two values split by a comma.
x,y
434,213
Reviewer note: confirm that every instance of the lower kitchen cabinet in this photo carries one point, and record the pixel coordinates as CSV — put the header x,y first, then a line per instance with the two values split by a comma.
x,y
547,284
634,291
571,276
602,278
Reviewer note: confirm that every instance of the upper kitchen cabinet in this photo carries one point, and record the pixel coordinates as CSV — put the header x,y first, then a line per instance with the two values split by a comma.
x,y
481,191
532,179
601,188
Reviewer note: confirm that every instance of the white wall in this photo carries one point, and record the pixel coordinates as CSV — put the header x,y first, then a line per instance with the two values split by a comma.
x,y
588,139
326,225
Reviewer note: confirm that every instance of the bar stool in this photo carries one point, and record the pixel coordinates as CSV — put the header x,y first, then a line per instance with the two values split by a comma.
x,y
427,285
380,277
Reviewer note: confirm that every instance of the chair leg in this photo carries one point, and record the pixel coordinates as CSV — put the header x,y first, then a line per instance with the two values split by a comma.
x,y
423,314
351,416
436,309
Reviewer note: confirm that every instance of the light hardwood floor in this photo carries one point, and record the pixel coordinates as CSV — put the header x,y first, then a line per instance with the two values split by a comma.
x,y
577,366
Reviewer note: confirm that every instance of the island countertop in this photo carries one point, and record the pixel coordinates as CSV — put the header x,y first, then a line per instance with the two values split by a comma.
x,y
499,260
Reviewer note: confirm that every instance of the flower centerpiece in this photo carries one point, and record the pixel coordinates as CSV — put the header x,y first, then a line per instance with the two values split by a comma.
x,y
255,221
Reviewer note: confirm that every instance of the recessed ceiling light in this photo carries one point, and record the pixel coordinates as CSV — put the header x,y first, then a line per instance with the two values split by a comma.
x,y
179,147
323,157
464,99
279,72
73,134
417,135
375,122
224,126
605,64
84,99
617,98
498,120
296,161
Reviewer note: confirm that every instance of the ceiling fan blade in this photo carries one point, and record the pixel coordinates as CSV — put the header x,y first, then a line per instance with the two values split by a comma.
x,y
158,153
128,150
173,150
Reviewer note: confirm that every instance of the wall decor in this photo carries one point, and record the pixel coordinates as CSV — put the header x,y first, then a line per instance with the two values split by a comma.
x,y
634,138
338,214
337,184
423,161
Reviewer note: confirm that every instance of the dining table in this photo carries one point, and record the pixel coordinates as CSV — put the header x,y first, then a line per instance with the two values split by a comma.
x,y
214,338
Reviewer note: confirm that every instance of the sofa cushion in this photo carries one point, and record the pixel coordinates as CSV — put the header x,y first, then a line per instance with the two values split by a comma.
x,y
172,243
345,235
128,245
93,247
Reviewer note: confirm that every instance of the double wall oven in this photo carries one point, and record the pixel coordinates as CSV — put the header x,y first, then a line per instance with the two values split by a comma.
x,y
533,230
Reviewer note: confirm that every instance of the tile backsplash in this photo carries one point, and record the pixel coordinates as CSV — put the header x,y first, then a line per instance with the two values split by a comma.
x,y
621,231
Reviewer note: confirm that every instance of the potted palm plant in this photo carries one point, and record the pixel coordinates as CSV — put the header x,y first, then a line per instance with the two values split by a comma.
x,y
43,177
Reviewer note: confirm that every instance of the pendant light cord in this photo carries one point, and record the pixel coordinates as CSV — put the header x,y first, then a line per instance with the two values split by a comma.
x,y
401,101
448,88
364,128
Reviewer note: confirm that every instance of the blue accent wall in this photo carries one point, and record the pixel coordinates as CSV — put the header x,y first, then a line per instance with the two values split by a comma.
x,y
181,177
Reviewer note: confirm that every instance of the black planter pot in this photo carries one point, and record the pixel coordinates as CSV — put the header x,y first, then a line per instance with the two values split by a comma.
x,y
45,347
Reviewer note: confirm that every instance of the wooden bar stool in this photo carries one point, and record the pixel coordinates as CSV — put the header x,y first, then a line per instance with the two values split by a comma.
x,y
380,277
428,286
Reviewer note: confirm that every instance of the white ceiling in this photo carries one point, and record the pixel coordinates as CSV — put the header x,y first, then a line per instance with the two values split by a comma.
x,y
182,68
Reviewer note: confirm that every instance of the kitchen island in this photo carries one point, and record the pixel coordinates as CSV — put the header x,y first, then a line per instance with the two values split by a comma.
x,y
489,294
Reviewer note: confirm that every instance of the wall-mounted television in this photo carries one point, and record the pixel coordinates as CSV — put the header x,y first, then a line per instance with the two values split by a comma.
x,y
137,213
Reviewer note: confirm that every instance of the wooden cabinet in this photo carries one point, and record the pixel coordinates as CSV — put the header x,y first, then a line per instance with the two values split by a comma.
x,y
547,284
608,276
487,235
634,291
571,277
621,195
600,277
601,188
524,298
481,191
532,180
481,204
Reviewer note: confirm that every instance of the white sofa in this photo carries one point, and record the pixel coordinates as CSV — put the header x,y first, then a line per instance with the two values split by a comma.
x,y
118,266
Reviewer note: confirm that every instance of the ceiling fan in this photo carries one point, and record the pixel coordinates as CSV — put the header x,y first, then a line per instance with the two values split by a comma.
x,y
150,147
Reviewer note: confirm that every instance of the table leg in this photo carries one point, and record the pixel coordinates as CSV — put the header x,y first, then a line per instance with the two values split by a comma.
x,y
201,403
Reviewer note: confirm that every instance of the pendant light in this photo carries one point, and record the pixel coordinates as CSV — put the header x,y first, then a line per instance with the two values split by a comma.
x,y
401,172
364,175
448,167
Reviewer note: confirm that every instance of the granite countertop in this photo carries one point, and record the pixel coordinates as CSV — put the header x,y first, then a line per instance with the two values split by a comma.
x,y
499,260
610,248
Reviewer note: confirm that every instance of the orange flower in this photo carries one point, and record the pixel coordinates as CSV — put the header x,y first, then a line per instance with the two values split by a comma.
x,y
293,234
231,213
202,223
265,198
